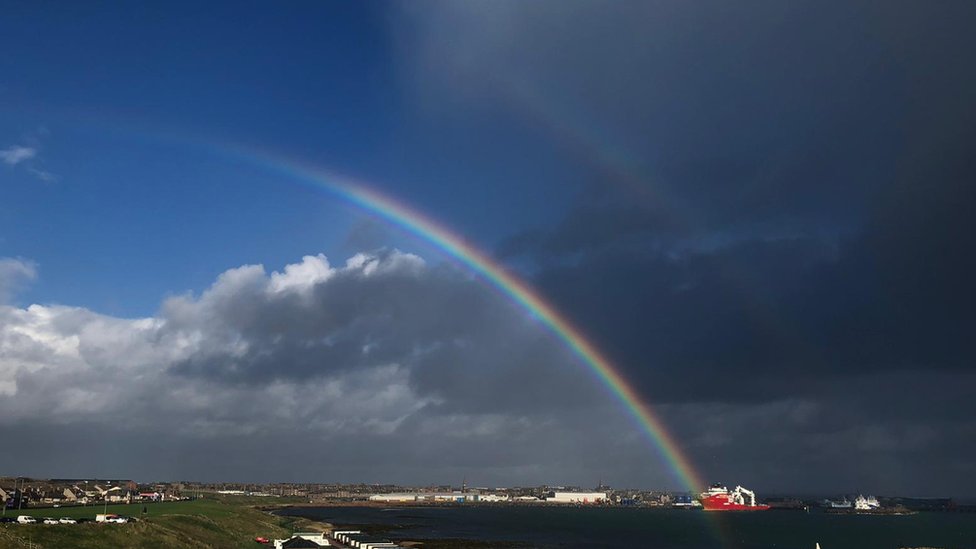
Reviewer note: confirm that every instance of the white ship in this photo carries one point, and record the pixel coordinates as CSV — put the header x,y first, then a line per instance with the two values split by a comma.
x,y
842,504
869,503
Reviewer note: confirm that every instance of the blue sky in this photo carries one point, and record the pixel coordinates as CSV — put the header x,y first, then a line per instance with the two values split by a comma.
x,y
129,108
759,212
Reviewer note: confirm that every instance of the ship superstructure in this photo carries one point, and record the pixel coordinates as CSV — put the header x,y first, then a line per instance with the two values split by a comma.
x,y
842,504
720,498
869,503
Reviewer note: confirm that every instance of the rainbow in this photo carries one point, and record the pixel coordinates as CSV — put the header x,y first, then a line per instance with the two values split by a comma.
x,y
478,262
414,222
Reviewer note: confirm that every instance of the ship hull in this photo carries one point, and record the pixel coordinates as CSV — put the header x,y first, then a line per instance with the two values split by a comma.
x,y
722,503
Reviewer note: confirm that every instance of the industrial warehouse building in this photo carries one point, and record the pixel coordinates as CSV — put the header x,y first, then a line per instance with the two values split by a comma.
x,y
568,498
577,497
456,497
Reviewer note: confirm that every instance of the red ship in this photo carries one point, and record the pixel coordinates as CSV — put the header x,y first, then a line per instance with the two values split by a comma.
x,y
720,498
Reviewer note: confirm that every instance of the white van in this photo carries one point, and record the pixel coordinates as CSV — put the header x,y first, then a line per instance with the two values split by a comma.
x,y
25,519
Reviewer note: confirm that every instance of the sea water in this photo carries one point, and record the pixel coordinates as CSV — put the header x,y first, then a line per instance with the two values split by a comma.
x,y
578,527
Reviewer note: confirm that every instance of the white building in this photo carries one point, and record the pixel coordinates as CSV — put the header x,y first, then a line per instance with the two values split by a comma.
x,y
394,498
302,539
578,497
405,497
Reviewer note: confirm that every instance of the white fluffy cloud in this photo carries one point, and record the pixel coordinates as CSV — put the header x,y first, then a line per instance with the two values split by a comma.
x,y
28,157
14,273
69,364
383,351
16,154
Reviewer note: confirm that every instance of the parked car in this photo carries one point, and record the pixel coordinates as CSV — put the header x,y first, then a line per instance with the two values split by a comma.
x,y
25,519
7,519
50,520
67,520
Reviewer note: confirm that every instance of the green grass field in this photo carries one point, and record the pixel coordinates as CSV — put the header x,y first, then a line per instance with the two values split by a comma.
x,y
204,522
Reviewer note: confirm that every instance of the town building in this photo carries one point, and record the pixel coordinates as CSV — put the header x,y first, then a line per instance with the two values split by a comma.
x,y
303,540
577,498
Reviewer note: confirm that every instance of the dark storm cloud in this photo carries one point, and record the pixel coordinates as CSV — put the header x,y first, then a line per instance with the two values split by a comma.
x,y
896,294
774,233
887,433
722,113
806,214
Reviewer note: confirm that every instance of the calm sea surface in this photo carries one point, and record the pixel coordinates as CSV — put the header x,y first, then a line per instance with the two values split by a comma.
x,y
572,527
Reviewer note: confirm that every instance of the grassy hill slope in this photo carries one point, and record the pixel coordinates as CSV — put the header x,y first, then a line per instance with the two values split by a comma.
x,y
226,523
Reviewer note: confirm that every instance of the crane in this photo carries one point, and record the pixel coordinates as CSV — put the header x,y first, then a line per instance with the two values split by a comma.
x,y
738,494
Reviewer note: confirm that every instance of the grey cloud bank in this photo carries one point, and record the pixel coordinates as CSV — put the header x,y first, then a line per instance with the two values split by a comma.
x,y
382,369
389,369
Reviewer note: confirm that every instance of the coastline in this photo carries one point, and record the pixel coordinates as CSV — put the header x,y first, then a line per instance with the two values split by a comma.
x,y
498,526
387,531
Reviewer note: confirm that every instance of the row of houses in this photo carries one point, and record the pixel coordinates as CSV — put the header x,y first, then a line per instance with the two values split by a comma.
x,y
353,538
21,493
573,498
437,497
359,540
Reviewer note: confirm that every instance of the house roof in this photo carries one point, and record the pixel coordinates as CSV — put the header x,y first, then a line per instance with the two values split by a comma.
x,y
300,542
